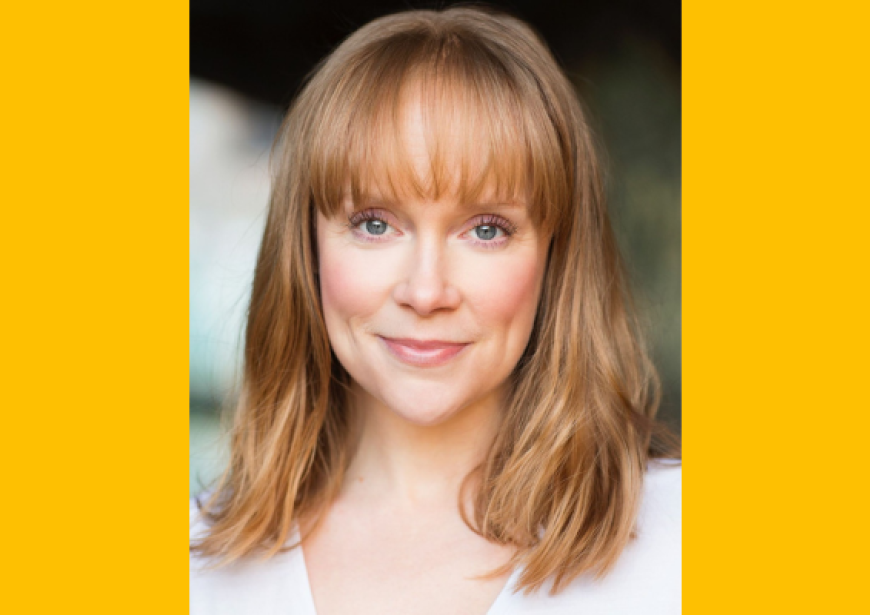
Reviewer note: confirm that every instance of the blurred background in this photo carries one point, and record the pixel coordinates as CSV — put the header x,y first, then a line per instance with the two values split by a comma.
x,y
247,60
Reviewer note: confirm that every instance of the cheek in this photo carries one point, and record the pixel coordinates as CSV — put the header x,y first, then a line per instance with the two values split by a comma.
x,y
350,285
507,294
338,287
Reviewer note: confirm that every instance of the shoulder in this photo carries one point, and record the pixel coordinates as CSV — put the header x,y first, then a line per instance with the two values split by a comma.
x,y
648,576
655,556
254,586
661,510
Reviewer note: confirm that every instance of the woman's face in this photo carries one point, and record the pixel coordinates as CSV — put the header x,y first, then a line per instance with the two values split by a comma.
x,y
430,304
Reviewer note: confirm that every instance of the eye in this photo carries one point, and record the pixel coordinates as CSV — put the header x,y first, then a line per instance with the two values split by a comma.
x,y
487,232
375,227
369,224
491,231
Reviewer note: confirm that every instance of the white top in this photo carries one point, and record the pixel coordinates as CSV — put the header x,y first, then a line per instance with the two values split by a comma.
x,y
645,581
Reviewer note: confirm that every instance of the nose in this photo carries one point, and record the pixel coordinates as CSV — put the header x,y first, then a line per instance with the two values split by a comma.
x,y
426,287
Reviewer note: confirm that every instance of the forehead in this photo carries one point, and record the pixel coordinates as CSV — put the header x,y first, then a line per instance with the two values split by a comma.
x,y
426,155
427,130
435,145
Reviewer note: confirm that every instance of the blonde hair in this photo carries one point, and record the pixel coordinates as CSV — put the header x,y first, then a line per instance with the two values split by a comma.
x,y
562,481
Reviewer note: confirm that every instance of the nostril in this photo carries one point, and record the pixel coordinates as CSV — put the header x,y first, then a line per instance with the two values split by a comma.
x,y
426,296
427,285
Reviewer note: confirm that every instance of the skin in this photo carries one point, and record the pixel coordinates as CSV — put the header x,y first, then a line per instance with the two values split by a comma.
x,y
441,270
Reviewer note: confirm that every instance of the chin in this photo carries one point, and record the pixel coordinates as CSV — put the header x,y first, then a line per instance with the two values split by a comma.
x,y
423,412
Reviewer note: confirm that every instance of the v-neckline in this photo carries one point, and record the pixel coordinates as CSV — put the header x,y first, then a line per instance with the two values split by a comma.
x,y
301,584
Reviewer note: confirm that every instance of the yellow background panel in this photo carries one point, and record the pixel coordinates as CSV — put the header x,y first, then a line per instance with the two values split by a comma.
x,y
775,306
94,253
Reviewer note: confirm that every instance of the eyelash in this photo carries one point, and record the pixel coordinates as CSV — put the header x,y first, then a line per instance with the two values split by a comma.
x,y
506,226
357,218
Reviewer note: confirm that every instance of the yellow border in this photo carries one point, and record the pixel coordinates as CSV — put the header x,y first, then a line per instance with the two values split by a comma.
x,y
94,252
775,306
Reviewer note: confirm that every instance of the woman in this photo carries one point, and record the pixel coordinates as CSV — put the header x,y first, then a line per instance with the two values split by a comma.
x,y
446,407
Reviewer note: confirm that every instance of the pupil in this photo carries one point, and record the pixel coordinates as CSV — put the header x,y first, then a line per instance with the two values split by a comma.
x,y
376,227
486,231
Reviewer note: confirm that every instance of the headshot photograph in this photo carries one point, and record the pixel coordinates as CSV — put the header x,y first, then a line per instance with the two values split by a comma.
x,y
435,308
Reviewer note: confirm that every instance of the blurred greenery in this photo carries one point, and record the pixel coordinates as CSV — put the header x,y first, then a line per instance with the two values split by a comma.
x,y
635,100
207,450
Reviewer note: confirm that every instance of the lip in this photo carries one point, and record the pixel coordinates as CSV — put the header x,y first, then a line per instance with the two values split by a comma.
x,y
423,353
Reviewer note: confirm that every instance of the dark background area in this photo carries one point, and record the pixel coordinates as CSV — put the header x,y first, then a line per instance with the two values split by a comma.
x,y
264,48
623,56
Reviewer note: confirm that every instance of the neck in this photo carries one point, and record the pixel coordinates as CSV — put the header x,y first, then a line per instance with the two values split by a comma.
x,y
416,464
